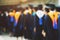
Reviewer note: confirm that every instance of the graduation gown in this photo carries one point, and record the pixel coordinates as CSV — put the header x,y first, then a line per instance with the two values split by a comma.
x,y
48,28
19,29
51,33
11,22
39,29
3,22
39,24
34,25
28,23
59,27
55,26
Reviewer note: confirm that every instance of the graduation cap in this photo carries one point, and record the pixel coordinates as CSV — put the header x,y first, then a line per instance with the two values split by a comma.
x,y
58,8
51,6
47,7
40,7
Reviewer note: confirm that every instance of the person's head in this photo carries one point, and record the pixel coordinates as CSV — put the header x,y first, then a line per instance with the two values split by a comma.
x,y
52,6
30,6
14,11
25,11
47,10
40,7
34,9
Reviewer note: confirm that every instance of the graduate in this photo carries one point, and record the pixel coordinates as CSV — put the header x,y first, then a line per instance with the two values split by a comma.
x,y
55,27
5,21
25,19
18,24
11,21
49,22
39,22
29,24
34,23
46,10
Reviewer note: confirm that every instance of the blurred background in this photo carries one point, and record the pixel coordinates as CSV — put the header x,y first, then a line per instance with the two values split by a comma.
x,y
16,2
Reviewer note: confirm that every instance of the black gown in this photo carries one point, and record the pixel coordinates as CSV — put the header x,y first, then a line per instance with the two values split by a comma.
x,y
29,26
34,26
10,23
48,27
1,24
39,28
58,27
19,29
4,22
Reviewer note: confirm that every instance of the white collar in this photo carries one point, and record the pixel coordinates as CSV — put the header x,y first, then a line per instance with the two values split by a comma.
x,y
40,13
52,11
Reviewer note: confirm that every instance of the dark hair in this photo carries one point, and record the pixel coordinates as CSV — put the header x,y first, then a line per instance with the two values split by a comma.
x,y
19,9
40,7
52,6
47,9
35,8
26,7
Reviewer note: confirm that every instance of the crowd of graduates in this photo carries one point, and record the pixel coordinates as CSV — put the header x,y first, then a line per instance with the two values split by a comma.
x,y
34,23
